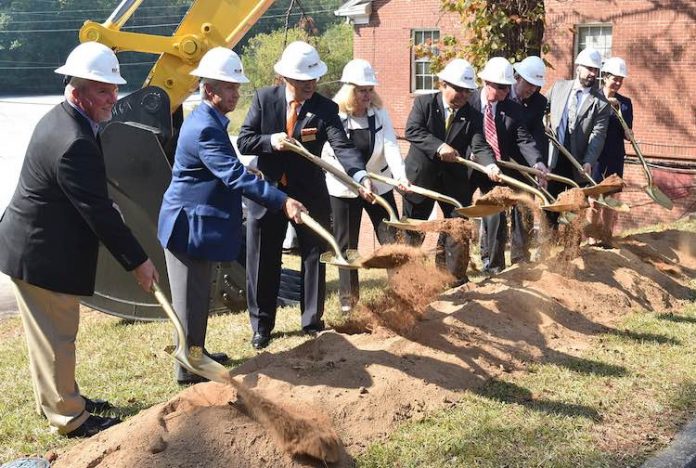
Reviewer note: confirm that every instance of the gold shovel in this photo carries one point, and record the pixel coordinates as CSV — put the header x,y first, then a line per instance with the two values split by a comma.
x,y
651,189
345,179
508,181
596,190
529,171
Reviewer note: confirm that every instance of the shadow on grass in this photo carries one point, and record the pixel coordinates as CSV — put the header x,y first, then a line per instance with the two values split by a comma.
x,y
506,392
585,366
677,318
645,337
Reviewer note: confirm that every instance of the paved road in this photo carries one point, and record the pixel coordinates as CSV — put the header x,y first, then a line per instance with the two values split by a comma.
x,y
8,306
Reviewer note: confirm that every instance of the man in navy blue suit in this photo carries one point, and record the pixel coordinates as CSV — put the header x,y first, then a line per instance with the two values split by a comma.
x,y
292,111
201,216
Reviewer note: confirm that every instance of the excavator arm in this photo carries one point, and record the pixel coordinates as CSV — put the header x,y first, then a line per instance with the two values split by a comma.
x,y
207,24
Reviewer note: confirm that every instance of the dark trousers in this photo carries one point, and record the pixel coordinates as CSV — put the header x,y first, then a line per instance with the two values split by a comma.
x,y
347,214
189,279
265,236
450,254
494,237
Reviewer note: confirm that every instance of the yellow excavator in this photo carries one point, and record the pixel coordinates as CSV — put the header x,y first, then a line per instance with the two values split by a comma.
x,y
140,140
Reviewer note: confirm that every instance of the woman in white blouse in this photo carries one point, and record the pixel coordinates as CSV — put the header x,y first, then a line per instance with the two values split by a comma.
x,y
369,128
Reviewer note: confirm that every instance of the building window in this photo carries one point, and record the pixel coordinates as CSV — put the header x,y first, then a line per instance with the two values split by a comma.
x,y
597,36
422,78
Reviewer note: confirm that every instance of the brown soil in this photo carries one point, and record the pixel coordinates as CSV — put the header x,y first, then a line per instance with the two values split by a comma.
x,y
500,195
392,256
368,383
573,197
613,181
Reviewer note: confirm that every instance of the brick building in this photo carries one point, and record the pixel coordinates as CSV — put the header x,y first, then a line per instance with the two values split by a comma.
x,y
655,37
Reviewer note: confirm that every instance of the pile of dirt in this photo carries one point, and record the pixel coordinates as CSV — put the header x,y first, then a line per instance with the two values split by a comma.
x,y
392,256
410,290
500,195
367,383
574,198
613,181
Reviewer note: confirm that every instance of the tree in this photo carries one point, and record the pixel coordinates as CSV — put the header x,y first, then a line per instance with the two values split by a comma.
x,y
512,29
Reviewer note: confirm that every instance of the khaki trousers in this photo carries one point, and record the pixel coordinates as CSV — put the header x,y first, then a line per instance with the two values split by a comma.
x,y
51,320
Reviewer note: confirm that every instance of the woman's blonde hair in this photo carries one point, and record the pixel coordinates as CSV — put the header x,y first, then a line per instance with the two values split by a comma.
x,y
345,98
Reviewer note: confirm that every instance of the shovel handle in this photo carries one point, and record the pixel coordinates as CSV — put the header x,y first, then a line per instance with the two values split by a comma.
x,y
562,149
508,180
168,309
345,179
416,189
531,170
634,143
312,224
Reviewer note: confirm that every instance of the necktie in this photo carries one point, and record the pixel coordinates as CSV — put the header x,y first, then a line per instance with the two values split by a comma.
x,y
573,110
292,118
490,131
450,118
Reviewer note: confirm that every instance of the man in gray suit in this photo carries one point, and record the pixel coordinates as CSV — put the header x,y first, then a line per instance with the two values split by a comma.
x,y
579,117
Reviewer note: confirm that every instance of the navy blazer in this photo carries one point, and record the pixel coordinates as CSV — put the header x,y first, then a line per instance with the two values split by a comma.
x,y
201,212
317,123
50,232
611,160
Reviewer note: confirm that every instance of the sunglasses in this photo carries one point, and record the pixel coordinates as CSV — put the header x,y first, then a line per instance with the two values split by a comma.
x,y
458,89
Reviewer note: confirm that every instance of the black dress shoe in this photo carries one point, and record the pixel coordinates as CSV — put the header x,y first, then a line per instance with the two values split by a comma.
x,y
259,341
96,405
314,329
186,378
220,358
93,425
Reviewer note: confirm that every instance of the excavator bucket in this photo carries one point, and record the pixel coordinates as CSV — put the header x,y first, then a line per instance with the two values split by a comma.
x,y
138,145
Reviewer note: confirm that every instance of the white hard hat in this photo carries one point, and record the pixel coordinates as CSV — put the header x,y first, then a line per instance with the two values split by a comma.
x,y
359,72
92,61
615,66
589,57
221,63
498,70
300,61
532,69
458,72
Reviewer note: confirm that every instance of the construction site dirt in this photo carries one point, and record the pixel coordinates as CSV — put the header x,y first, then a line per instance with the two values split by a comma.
x,y
415,352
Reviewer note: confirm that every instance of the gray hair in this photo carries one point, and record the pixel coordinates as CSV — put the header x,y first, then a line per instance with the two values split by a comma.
x,y
207,81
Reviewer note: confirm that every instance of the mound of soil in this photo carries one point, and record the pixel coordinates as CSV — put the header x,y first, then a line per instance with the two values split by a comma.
x,y
367,383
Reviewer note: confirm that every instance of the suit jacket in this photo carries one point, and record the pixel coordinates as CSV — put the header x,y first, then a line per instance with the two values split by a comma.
x,y
611,160
425,130
317,123
50,232
533,114
201,212
385,158
587,140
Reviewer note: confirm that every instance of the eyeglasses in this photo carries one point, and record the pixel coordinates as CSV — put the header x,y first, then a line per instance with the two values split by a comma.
x,y
458,89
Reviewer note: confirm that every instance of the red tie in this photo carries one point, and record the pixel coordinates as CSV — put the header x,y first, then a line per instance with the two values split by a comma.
x,y
292,118
490,131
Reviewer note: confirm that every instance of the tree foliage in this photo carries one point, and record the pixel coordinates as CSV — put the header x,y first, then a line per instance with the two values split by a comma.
x,y
512,29
37,35
264,50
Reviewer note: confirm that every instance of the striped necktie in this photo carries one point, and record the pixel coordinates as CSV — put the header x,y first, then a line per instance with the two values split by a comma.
x,y
490,131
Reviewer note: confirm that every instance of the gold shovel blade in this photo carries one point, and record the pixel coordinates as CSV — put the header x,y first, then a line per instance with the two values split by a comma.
x,y
479,210
351,261
567,207
197,362
407,224
659,196
614,204
598,190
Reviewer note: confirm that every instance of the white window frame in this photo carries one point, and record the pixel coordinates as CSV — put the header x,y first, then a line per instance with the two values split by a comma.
x,y
416,62
606,39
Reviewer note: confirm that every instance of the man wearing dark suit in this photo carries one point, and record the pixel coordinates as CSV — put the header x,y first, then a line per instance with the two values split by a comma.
x,y
505,130
50,234
201,216
579,115
440,128
292,111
